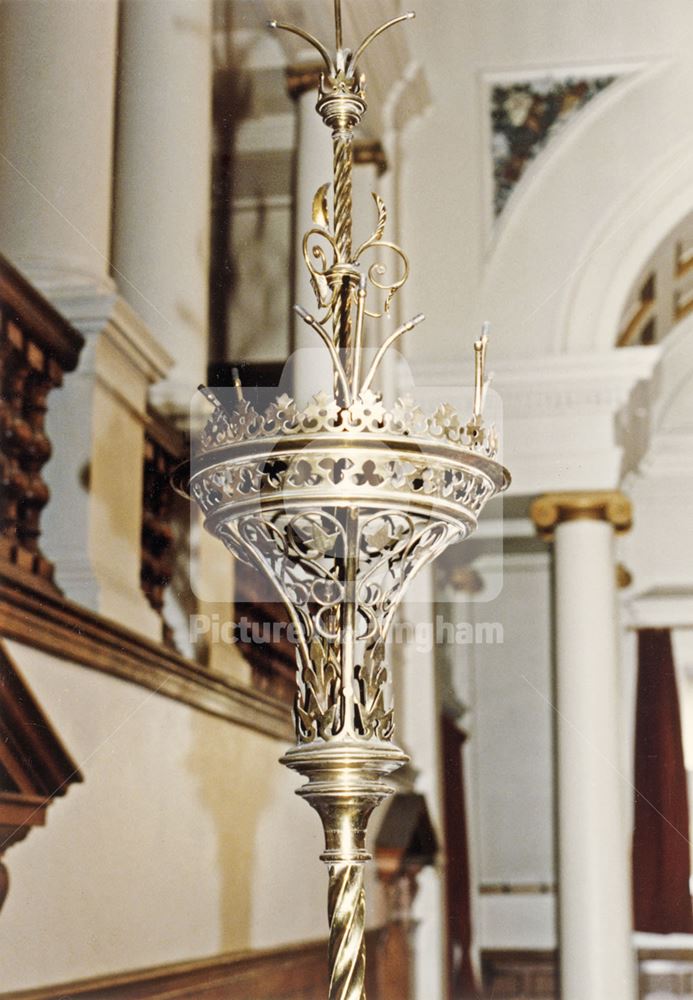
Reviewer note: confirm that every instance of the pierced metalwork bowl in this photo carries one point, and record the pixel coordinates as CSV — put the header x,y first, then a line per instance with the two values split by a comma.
x,y
298,494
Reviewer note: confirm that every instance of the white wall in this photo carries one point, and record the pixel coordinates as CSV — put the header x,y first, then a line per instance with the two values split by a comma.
x,y
185,839
575,200
510,756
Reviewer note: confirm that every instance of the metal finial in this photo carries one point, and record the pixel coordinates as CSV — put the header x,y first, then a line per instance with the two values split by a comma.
x,y
307,37
378,31
349,60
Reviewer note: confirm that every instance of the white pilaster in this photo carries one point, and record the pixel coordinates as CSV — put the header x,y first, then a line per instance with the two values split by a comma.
x,y
162,181
57,73
93,525
596,956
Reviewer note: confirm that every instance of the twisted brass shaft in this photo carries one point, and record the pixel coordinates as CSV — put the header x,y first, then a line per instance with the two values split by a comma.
x,y
342,161
346,907
342,165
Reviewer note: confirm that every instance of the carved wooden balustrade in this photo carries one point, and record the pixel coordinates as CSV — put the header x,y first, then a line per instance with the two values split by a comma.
x,y
164,449
37,346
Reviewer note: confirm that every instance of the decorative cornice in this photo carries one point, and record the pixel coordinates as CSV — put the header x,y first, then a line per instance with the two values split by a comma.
x,y
110,316
590,382
302,77
660,607
366,152
552,509
560,419
408,99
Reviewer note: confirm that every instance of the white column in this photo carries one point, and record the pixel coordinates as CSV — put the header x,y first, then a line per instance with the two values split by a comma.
x,y
596,955
313,168
417,714
56,140
57,73
162,181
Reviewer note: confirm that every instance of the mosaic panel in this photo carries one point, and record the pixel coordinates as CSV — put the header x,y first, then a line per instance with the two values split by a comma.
x,y
525,116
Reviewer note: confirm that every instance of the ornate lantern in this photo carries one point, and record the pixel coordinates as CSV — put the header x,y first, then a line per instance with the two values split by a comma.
x,y
340,503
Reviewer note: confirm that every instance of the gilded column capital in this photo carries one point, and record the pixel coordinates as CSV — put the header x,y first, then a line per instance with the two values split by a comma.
x,y
366,152
553,509
302,77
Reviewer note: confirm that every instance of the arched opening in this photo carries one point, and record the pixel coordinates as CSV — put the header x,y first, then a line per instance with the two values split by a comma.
x,y
662,295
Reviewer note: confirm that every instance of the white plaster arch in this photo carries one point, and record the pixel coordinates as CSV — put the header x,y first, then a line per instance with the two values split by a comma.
x,y
610,190
655,204
626,74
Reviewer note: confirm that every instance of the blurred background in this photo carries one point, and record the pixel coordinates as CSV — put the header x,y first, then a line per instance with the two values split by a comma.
x,y
158,162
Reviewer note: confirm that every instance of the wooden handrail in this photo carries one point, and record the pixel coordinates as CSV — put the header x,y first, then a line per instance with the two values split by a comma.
x,y
25,305
50,622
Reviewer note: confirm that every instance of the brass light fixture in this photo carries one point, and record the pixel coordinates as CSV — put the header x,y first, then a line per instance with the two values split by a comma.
x,y
340,503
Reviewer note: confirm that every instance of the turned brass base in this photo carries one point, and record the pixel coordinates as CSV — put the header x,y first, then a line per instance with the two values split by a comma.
x,y
345,784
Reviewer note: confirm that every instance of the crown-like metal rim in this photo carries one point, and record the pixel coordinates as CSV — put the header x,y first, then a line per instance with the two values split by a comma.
x,y
451,470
